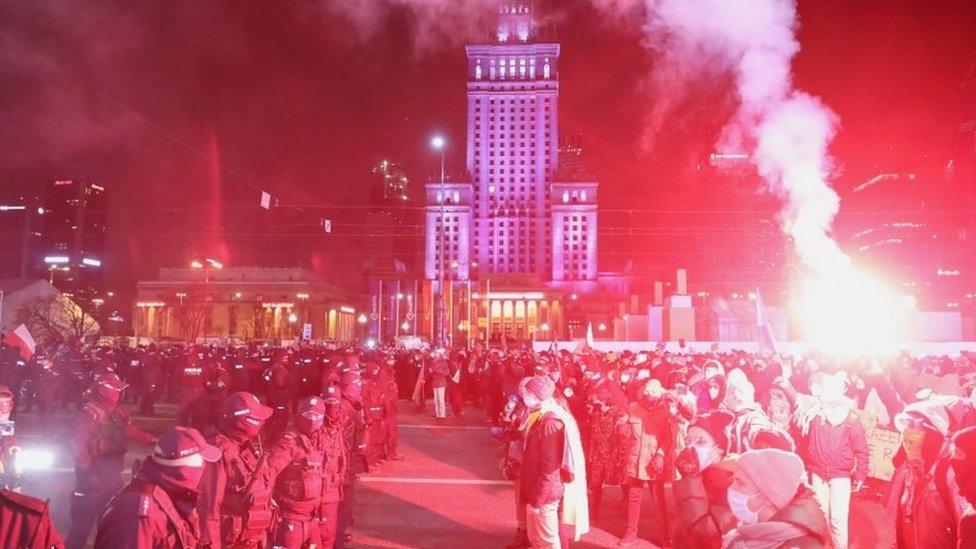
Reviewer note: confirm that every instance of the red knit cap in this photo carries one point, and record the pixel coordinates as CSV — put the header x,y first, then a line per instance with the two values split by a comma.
x,y
542,387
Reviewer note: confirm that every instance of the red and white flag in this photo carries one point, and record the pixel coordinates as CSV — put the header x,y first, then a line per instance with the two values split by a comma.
x,y
23,340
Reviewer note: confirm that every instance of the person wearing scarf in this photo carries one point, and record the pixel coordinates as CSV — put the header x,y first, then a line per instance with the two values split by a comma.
x,y
963,467
923,503
773,507
740,401
836,449
553,482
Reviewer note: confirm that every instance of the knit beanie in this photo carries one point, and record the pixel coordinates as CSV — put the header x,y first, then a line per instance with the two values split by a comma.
x,y
542,387
716,424
776,473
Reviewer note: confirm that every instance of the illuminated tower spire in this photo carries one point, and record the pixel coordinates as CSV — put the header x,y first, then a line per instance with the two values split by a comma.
x,y
516,22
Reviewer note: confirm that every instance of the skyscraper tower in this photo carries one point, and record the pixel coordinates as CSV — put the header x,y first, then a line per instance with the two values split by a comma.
x,y
512,143
524,229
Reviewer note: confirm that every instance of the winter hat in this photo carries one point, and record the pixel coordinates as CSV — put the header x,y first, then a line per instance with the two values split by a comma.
x,y
776,473
654,388
739,392
831,388
933,413
541,387
246,404
178,444
771,437
716,424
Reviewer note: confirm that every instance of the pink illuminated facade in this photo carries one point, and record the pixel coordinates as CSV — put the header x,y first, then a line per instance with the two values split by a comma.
x,y
513,218
515,226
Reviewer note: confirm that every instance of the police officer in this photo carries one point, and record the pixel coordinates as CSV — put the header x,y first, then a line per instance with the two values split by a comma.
x,y
192,375
235,494
299,455
280,392
201,413
390,390
46,385
158,507
101,430
151,373
350,393
335,464
373,414
240,366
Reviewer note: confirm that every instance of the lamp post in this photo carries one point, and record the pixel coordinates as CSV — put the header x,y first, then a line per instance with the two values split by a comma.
x,y
439,144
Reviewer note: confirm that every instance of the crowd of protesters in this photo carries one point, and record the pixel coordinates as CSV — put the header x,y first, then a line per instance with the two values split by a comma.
x,y
752,449
736,449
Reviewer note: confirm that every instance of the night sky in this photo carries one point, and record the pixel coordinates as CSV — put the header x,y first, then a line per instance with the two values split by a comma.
x,y
295,97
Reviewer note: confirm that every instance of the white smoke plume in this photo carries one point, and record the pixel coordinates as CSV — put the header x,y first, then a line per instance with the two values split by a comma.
x,y
434,23
786,131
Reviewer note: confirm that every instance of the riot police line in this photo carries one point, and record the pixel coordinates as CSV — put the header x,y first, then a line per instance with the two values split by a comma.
x,y
264,454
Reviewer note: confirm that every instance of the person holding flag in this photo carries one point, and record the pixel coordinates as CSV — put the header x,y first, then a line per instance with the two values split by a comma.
x,y
22,339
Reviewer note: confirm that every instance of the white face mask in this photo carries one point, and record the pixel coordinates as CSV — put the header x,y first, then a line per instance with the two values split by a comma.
x,y
707,455
713,392
739,504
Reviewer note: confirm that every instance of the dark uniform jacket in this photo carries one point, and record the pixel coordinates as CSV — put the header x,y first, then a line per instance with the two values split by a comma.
x,y
298,486
235,494
100,443
145,516
26,523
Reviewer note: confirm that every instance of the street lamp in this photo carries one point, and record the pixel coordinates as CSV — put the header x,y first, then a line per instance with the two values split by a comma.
x,y
438,143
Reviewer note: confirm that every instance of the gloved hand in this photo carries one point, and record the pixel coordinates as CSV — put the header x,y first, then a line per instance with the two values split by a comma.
x,y
687,463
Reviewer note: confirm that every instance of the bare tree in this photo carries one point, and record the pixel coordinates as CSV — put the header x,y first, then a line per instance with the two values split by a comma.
x,y
56,319
190,317
258,324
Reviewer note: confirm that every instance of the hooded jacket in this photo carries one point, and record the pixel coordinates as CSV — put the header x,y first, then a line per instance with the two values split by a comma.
x,y
799,525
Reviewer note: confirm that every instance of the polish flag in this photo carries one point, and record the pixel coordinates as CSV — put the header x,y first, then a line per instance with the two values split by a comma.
x,y
22,339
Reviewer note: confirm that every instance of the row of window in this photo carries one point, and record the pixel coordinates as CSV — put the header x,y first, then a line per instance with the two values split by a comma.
x,y
504,101
502,72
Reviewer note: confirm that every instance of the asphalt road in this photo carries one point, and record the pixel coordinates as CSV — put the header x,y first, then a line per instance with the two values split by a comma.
x,y
448,493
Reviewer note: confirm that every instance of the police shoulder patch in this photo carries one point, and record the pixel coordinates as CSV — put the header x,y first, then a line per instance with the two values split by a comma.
x,y
145,501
